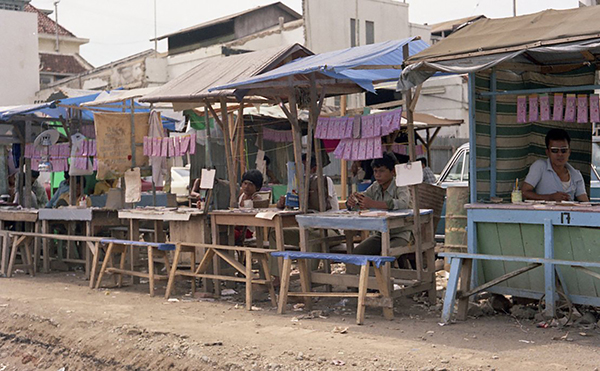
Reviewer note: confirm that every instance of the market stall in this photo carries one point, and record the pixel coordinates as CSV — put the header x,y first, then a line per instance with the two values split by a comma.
x,y
519,69
305,83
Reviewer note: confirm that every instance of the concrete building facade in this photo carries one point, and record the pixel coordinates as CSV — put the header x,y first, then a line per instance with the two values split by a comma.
x,y
19,63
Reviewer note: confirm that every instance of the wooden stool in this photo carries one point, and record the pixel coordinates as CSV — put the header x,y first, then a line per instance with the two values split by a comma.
x,y
214,252
120,247
24,244
381,299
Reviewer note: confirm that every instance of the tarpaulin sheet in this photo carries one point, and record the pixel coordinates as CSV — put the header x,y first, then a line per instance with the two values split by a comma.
x,y
341,64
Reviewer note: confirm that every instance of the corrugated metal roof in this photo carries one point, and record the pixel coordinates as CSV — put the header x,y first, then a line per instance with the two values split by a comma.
x,y
193,85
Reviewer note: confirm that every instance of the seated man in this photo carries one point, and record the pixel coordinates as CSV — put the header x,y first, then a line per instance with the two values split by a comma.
x,y
39,198
384,195
64,199
554,179
62,188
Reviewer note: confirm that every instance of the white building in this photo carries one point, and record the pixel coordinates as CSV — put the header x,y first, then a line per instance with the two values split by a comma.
x,y
19,54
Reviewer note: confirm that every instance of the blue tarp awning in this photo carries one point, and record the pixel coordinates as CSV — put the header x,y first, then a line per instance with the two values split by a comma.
x,y
59,109
342,64
6,113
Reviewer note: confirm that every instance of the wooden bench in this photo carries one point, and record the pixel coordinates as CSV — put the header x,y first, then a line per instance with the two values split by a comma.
x,y
381,299
24,240
461,265
210,256
121,247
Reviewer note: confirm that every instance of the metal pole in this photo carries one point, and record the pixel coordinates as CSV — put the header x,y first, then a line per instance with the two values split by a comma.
x,y
514,8
155,34
56,24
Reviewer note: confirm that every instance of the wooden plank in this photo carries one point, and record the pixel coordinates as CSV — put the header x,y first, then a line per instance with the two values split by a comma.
x,y
588,251
248,275
285,285
362,293
533,243
231,261
567,239
135,273
347,280
325,294
56,236
498,280
488,242
511,243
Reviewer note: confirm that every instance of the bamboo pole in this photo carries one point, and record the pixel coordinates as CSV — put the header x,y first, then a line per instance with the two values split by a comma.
x,y
409,106
292,115
242,139
344,163
228,152
312,123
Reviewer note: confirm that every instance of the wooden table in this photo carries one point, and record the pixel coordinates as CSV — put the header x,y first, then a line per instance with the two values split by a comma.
x,y
186,224
92,218
354,221
529,231
247,217
17,214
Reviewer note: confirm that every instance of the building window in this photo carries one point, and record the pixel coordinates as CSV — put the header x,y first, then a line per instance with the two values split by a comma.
x,y
353,42
370,31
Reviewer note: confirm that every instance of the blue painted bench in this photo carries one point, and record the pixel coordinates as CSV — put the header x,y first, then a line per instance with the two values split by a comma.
x,y
382,299
461,265
121,247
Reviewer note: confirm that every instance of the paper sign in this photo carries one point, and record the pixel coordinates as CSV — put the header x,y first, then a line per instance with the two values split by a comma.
x,y
594,108
133,185
558,107
533,108
544,107
356,127
521,109
409,174
570,108
207,180
582,109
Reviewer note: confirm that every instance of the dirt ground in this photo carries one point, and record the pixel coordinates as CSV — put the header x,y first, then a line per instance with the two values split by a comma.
x,y
55,322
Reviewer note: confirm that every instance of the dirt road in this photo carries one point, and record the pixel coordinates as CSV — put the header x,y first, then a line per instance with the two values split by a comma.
x,y
53,321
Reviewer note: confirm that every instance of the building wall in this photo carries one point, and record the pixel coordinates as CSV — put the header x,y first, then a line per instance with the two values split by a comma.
x,y
328,22
19,62
180,63
47,44
447,97
136,72
252,23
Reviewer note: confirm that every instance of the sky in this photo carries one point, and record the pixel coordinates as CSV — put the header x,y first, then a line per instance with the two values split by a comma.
x,y
119,28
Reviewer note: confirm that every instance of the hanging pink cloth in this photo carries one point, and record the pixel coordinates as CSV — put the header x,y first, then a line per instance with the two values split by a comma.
x,y
158,163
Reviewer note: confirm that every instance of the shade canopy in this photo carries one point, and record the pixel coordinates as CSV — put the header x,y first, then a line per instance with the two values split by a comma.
x,y
548,42
343,71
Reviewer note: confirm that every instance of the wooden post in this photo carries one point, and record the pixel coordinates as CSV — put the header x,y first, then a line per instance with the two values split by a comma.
x,y
312,123
208,159
409,106
26,197
292,115
344,163
233,189
242,139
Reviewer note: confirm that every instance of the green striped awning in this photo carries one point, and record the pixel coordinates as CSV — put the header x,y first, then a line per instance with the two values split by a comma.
x,y
519,145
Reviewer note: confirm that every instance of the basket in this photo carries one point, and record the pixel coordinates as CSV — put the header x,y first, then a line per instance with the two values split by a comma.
x,y
431,197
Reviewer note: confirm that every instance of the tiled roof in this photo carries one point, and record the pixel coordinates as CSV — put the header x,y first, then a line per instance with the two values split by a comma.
x,y
61,63
46,25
